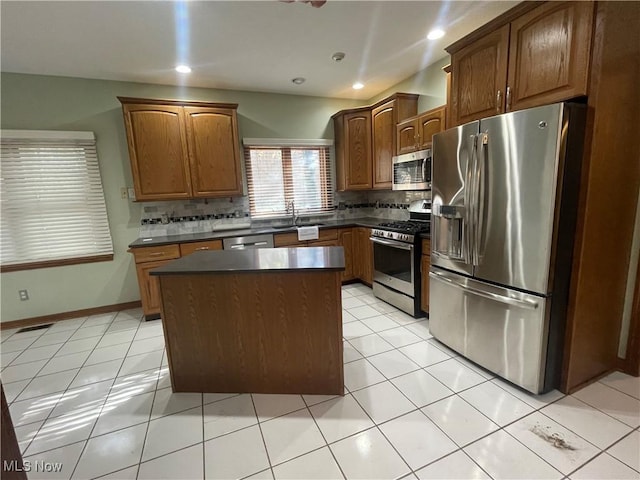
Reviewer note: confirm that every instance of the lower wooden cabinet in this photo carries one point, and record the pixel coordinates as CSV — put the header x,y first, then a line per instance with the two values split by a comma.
x,y
290,239
363,254
148,258
425,265
188,248
345,239
149,287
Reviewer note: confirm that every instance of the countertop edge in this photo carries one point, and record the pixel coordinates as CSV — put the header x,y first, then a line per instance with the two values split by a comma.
x,y
222,234
282,260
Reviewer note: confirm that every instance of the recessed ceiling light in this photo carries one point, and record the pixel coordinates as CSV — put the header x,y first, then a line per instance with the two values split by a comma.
x,y
183,69
435,34
337,57
299,80
357,86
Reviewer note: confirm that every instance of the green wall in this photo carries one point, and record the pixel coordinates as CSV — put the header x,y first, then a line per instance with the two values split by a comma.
x,y
35,102
430,83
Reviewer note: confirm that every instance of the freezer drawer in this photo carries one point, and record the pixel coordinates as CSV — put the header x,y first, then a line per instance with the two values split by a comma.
x,y
503,330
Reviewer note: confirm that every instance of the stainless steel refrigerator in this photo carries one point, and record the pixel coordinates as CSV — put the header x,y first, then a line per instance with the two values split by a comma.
x,y
504,201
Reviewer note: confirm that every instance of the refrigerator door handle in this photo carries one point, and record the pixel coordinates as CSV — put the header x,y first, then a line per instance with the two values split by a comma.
x,y
471,201
528,304
479,197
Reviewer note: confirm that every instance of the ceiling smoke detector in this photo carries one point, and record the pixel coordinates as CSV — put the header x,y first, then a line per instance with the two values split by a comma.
x,y
299,80
337,57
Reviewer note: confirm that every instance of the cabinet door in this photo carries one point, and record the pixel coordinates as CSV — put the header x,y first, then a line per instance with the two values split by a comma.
x,y
149,287
407,136
549,54
383,127
364,255
214,151
358,150
479,78
345,239
430,123
158,151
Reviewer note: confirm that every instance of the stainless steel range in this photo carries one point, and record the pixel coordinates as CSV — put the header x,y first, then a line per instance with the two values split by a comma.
x,y
396,258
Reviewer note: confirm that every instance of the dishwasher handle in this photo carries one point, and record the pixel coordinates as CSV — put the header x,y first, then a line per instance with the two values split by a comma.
x,y
248,245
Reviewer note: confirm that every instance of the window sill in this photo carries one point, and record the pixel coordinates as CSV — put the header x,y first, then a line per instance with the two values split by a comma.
x,y
55,263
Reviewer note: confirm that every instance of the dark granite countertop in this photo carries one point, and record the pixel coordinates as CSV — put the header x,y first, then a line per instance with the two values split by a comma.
x,y
256,260
221,234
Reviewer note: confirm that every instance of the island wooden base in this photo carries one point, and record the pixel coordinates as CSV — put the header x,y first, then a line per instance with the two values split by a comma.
x,y
254,332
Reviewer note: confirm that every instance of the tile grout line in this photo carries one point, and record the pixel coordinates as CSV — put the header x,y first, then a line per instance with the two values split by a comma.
x,y
146,433
264,442
84,448
315,422
204,453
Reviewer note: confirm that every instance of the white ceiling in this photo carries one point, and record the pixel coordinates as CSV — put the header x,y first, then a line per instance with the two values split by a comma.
x,y
240,45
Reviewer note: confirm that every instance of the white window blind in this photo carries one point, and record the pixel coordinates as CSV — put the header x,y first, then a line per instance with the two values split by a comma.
x,y
282,171
51,197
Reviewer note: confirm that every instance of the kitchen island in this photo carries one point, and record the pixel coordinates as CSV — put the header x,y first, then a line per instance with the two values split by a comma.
x,y
260,321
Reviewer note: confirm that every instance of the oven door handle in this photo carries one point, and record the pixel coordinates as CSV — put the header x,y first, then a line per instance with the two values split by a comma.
x,y
392,243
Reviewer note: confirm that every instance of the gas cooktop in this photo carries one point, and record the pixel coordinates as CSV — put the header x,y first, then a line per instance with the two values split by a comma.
x,y
412,227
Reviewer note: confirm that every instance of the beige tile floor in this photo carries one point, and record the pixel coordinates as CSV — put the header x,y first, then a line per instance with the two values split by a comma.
x,y
93,394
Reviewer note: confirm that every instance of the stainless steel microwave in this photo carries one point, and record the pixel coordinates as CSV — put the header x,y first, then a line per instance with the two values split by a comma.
x,y
412,171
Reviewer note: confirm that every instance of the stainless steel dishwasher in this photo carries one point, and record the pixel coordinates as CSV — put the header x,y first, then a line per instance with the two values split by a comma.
x,y
248,241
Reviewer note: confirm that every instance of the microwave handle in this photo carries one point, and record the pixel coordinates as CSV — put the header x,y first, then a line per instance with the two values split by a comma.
x,y
424,170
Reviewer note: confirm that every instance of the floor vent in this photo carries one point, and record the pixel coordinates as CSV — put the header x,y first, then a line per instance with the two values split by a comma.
x,y
37,327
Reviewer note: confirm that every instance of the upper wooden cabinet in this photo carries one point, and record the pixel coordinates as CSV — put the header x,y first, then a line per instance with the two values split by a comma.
x,y
479,77
384,140
357,150
416,133
214,151
549,54
366,142
182,149
530,56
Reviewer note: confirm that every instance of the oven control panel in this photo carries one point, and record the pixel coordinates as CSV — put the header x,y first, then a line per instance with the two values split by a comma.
x,y
402,237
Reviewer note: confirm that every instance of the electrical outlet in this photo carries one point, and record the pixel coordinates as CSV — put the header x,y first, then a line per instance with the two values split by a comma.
x,y
24,295
132,193
124,193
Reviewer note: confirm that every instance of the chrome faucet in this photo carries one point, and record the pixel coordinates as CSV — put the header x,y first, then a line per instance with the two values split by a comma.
x,y
294,219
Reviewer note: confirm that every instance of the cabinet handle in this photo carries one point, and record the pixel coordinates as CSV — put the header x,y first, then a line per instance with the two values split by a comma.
x,y
417,140
156,254
498,100
202,248
508,98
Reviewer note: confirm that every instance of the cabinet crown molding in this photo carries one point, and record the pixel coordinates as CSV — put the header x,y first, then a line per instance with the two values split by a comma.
x,y
176,103
364,108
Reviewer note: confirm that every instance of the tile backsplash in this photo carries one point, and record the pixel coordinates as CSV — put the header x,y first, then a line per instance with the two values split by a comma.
x,y
194,216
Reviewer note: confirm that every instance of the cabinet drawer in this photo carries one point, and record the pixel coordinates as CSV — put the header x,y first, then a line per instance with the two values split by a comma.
x,y
161,252
291,239
287,240
187,248
327,234
326,243
426,246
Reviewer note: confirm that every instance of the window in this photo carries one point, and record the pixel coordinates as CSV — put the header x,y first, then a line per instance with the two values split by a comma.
x,y
282,171
52,204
